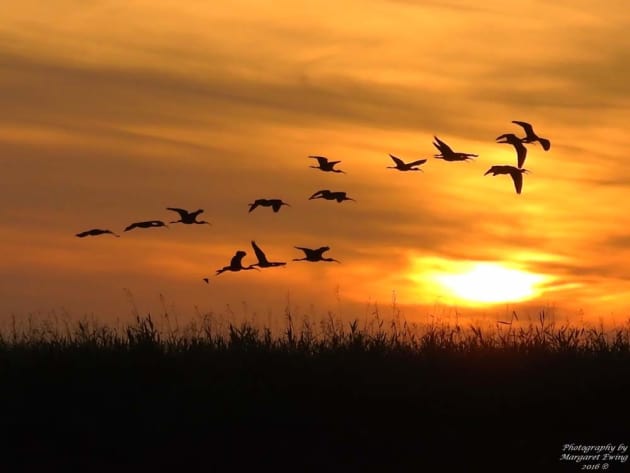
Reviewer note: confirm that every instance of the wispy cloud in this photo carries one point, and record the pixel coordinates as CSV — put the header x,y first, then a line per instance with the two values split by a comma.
x,y
122,109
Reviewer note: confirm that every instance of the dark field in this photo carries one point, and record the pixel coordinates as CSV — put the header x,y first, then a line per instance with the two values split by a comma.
x,y
344,397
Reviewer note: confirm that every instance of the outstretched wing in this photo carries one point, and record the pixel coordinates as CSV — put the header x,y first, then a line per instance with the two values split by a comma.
x,y
521,153
517,177
237,258
259,253
529,130
399,162
307,251
417,163
132,226
183,213
254,205
320,159
443,147
318,193
276,204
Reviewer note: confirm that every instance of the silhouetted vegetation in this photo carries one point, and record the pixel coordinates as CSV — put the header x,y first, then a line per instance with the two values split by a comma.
x,y
334,396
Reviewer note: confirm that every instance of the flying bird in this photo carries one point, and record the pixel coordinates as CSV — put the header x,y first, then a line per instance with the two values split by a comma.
x,y
146,224
402,166
275,204
263,262
314,255
206,280
521,150
515,173
95,232
188,217
326,165
530,136
328,195
447,154
236,264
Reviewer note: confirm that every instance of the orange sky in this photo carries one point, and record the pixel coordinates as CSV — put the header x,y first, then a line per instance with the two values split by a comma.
x,y
113,110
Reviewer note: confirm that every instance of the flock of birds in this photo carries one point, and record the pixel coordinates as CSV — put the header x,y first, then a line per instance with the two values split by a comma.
x,y
325,165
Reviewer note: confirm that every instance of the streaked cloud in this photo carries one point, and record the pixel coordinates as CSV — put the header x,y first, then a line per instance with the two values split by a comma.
x,y
115,110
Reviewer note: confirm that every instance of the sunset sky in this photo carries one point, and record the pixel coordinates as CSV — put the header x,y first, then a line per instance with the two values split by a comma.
x,y
113,110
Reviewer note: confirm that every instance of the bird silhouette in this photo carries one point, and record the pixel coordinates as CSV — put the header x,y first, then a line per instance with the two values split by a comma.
x,y
326,165
146,224
402,166
275,204
314,255
236,264
206,280
95,232
329,195
263,262
530,136
521,150
188,217
515,173
447,154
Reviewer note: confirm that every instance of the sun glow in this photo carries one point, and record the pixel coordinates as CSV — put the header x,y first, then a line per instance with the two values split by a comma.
x,y
491,283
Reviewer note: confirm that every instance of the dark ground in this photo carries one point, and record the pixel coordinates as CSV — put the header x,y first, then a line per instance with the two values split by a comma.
x,y
93,409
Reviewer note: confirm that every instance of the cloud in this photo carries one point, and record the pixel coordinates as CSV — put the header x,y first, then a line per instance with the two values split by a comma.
x,y
106,122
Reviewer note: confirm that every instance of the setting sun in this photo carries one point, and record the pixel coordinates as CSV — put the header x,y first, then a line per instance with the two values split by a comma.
x,y
491,283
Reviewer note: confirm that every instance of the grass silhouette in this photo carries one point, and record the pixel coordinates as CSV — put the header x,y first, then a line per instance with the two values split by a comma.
x,y
333,396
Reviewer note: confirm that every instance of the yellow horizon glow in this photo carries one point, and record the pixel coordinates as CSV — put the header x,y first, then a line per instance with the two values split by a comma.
x,y
477,283
491,283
